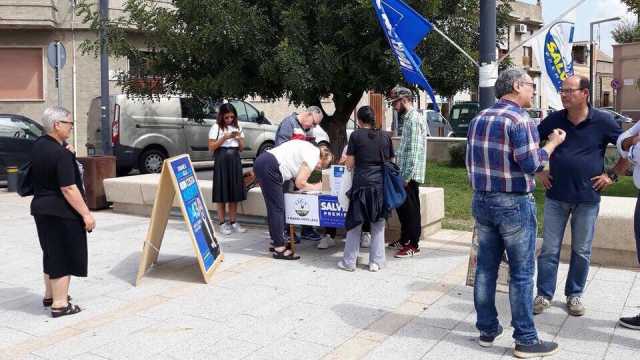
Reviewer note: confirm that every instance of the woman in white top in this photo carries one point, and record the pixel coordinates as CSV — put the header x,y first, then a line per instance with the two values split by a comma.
x,y
226,140
291,160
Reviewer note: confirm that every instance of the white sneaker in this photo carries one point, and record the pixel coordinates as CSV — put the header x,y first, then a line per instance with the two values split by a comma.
x,y
373,267
365,240
235,227
344,267
226,229
326,242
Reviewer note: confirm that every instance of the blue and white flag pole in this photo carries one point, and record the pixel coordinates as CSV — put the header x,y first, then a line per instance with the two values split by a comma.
x,y
404,29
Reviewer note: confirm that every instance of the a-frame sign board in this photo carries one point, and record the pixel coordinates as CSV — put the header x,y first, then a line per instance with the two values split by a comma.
x,y
178,177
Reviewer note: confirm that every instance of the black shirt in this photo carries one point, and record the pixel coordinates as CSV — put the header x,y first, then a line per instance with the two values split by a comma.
x,y
53,167
365,146
581,156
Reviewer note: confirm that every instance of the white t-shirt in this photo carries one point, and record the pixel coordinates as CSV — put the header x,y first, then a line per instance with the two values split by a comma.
x,y
633,154
292,154
215,133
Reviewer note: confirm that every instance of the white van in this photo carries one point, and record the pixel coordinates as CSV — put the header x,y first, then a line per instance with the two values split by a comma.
x,y
144,132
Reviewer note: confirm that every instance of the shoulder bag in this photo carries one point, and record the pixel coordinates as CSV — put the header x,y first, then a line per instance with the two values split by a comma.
x,y
393,184
25,184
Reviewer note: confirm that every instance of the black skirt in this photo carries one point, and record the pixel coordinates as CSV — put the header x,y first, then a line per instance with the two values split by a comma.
x,y
228,185
64,246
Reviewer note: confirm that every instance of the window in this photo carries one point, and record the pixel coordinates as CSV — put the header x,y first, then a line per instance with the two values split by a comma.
x,y
22,74
140,66
197,109
579,54
526,56
141,72
433,116
240,109
252,113
18,129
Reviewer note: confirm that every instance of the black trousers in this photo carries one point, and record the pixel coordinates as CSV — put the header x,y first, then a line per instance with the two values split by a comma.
x,y
409,215
268,175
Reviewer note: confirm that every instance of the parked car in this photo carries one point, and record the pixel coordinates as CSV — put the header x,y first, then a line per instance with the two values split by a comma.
x,y
460,116
144,132
619,118
17,135
537,115
438,125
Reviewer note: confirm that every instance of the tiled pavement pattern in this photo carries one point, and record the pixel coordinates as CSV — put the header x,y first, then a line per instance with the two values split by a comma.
x,y
259,308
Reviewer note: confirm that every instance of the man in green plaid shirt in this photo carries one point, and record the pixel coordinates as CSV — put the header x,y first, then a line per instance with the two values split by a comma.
x,y
411,158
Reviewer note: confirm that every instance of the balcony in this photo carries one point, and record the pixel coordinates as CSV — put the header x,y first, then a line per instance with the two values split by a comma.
x,y
28,14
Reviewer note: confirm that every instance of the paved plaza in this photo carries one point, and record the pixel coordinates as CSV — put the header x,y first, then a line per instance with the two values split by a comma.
x,y
260,308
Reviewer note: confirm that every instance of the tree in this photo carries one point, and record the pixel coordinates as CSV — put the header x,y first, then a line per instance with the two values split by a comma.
x,y
633,5
626,32
305,50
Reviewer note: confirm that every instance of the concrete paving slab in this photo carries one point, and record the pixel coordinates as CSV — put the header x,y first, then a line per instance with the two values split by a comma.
x,y
589,334
414,308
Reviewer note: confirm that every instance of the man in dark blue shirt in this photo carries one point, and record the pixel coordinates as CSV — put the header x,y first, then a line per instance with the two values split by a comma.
x,y
573,187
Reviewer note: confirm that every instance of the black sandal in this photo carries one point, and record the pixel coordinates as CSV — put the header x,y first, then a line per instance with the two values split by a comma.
x,y
280,255
273,249
46,302
70,309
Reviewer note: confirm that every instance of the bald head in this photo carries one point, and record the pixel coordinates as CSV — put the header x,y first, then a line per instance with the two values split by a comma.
x,y
575,92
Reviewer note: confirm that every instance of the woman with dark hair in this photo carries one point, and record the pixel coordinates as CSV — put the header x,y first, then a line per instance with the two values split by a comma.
x,y
226,140
367,149
291,160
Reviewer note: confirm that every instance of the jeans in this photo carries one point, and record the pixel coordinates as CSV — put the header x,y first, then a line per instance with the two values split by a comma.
x,y
583,225
505,221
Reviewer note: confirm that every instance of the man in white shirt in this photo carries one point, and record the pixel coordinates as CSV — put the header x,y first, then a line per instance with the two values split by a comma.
x,y
629,148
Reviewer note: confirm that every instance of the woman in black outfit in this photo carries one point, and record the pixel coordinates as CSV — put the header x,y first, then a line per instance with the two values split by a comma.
x,y
61,215
367,149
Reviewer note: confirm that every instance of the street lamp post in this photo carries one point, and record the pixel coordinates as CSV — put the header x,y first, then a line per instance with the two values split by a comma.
x,y
104,80
488,71
592,56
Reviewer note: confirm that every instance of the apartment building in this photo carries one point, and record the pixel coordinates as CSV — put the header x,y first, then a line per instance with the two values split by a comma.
x,y
626,71
28,83
603,93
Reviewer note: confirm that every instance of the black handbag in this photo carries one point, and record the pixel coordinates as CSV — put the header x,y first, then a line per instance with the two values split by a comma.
x,y
25,184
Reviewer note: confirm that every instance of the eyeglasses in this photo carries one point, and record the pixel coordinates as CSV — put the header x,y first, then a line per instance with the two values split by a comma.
x,y
67,122
532,84
569,91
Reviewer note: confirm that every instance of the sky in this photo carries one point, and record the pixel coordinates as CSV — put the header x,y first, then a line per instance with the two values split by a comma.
x,y
590,10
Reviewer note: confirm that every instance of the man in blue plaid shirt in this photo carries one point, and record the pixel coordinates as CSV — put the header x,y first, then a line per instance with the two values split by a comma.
x,y
502,157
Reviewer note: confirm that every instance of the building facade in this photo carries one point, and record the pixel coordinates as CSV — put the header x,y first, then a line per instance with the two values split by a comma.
x,y
29,83
525,20
626,72
603,94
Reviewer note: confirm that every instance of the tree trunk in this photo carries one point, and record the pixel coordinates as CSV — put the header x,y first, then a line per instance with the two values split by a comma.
x,y
336,124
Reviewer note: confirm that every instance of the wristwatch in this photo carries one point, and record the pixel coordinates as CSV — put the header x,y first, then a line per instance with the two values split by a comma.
x,y
612,175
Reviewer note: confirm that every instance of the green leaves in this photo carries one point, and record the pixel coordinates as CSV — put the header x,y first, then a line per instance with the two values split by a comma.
x,y
303,49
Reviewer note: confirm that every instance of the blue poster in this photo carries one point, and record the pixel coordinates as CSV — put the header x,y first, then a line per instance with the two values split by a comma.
x,y
331,213
197,214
